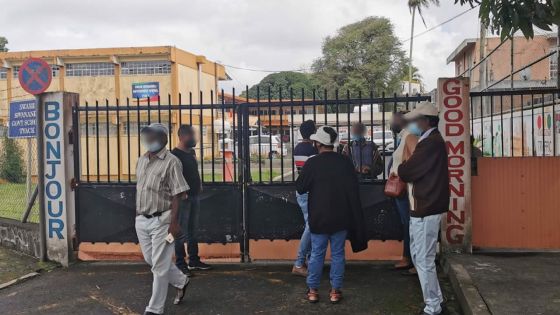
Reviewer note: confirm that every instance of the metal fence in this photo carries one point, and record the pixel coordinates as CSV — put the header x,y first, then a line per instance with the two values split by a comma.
x,y
109,133
18,174
516,123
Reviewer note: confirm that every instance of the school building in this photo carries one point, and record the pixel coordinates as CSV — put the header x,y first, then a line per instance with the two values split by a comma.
x,y
139,75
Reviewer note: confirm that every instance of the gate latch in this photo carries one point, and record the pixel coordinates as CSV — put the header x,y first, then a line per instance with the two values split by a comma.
x,y
73,184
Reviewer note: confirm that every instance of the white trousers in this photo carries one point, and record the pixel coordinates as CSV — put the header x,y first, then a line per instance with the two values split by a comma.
x,y
158,253
423,242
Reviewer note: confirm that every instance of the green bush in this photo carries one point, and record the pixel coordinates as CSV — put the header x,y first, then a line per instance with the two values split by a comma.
x,y
11,162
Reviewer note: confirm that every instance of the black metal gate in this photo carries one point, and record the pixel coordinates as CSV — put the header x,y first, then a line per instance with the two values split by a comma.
x,y
245,157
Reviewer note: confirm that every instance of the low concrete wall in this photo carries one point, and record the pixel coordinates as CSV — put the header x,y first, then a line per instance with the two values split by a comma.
x,y
22,237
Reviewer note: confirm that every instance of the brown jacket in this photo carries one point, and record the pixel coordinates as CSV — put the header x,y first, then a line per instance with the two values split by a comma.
x,y
427,170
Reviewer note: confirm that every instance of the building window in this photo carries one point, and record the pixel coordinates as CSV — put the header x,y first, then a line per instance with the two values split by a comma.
x,y
89,69
553,65
15,71
3,73
145,67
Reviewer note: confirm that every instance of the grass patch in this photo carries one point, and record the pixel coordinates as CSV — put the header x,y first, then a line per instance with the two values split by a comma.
x,y
266,176
13,201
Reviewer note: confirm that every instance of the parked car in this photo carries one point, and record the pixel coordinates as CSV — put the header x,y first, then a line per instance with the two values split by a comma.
x,y
389,141
270,146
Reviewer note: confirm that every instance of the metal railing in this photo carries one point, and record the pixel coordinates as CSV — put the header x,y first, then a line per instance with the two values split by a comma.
x,y
516,123
261,133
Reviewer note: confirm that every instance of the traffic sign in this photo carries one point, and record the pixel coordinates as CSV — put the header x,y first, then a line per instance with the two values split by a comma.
x,y
35,76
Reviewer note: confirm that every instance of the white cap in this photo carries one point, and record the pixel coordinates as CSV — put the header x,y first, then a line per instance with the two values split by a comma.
x,y
422,109
156,127
324,137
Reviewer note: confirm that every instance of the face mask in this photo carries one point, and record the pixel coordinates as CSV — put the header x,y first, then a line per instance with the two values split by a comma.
x,y
414,129
356,137
153,146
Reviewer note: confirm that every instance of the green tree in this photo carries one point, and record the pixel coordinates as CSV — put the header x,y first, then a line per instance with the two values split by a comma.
x,y
364,56
505,17
11,163
3,44
285,80
416,5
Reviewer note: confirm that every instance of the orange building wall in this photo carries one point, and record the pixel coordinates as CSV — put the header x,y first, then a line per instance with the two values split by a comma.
x,y
516,204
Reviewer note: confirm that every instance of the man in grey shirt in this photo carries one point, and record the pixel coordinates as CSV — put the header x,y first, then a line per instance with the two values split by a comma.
x,y
160,187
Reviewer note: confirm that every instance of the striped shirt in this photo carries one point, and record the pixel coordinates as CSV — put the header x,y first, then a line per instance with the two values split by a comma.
x,y
302,152
158,180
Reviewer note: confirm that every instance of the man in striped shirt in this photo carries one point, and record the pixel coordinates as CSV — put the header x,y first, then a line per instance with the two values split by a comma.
x,y
302,152
159,188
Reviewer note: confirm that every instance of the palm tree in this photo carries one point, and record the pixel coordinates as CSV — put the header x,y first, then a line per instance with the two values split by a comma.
x,y
416,5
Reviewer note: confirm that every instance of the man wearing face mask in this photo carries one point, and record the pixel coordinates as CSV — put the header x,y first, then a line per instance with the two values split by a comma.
x,y
190,208
160,187
364,154
427,170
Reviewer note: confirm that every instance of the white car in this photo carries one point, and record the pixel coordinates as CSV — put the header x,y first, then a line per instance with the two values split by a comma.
x,y
270,146
378,139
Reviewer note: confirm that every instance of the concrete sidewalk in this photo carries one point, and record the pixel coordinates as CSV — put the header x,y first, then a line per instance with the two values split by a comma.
x,y
509,284
95,288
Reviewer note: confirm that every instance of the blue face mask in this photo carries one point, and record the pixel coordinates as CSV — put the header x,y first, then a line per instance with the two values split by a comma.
x,y
356,137
414,129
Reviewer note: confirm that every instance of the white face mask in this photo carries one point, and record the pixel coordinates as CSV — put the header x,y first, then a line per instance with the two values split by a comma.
x,y
152,146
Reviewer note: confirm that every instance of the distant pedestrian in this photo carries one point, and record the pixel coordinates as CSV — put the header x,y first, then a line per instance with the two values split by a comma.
x,y
190,207
427,170
406,142
335,211
159,189
364,154
302,152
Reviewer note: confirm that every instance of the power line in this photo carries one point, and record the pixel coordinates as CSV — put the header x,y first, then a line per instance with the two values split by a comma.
x,y
404,41
522,68
441,24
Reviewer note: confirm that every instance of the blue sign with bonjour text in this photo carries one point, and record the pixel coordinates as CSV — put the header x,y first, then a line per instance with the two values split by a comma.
x,y
23,119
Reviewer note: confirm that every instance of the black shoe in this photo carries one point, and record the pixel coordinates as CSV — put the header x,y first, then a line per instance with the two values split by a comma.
x,y
199,265
185,269
150,313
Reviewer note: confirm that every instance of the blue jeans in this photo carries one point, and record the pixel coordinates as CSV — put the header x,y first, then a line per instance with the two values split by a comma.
x,y
319,243
305,242
403,207
188,219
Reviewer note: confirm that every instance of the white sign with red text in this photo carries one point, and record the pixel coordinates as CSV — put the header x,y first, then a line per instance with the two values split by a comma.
x,y
453,104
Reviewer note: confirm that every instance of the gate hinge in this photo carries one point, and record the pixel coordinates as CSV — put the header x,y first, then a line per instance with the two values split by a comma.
x,y
73,184
71,137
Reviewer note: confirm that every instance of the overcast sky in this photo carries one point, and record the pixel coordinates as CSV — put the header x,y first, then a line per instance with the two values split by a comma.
x,y
256,34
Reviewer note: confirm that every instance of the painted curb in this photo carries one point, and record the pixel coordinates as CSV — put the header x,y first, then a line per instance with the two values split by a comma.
x,y
18,280
468,296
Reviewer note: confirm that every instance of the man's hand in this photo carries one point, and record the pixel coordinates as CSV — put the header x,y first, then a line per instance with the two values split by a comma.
x,y
175,229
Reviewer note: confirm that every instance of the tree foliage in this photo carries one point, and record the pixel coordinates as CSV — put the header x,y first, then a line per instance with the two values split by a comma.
x,y
11,163
505,17
3,44
363,56
285,81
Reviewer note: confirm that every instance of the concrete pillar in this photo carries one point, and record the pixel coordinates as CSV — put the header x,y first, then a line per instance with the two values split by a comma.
x,y
59,169
454,110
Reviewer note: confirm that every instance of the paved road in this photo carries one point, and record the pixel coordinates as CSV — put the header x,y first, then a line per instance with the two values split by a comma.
x,y
229,289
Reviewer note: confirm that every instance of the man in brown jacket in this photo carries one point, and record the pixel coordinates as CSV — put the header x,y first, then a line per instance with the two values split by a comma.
x,y
427,170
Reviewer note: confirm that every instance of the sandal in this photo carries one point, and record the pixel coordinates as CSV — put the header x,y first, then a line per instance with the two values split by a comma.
x,y
313,295
335,296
